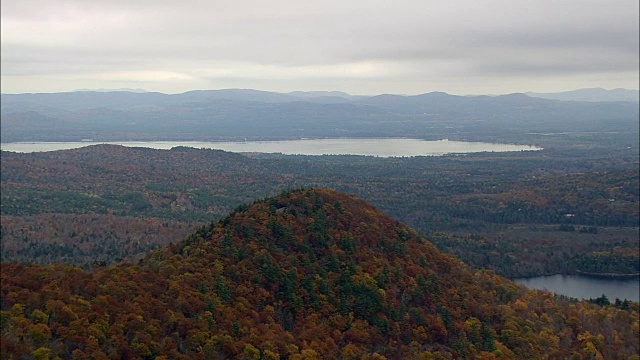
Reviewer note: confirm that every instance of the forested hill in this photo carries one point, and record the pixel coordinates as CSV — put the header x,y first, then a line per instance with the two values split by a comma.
x,y
308,274
106,202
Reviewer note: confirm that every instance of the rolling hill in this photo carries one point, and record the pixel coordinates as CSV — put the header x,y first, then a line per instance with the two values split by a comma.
x,y
308,274
254,114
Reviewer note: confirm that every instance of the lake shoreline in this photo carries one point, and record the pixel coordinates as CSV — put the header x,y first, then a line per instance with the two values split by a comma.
x,y
585,286
609,275
380,147
586,274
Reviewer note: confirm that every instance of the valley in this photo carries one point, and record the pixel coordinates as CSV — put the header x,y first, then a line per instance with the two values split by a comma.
x,y
506,212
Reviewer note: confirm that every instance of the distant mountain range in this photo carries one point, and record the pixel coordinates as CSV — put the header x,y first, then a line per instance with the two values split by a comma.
x,y
247,113
112,90
593,95
590,94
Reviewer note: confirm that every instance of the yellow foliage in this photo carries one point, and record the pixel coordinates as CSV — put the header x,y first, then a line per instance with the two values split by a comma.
x,y
39,316
17,310
270,355
41,353
292,349
40,333
310,354
251,352
351,352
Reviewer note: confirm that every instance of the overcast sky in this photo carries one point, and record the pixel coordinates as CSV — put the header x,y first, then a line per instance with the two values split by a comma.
x,y
361,47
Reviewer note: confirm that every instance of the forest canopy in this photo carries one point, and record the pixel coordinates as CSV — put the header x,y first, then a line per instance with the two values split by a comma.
x,y
307,274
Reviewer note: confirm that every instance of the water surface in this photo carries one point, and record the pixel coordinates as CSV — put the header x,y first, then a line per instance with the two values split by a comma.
x,y
373,147
586,287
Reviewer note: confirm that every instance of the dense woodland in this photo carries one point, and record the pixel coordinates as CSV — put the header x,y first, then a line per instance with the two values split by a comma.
x,y
308,274
566,209
92,239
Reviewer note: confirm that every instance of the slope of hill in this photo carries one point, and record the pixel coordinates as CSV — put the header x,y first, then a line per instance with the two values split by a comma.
x,y
306,275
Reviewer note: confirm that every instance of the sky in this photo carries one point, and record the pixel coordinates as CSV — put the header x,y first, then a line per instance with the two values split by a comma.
x,y
360,47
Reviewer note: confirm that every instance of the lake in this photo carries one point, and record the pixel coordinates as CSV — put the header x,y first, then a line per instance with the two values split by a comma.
x,y
585,287
362,146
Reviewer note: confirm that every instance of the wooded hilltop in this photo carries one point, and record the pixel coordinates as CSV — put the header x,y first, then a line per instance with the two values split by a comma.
x,y
308,274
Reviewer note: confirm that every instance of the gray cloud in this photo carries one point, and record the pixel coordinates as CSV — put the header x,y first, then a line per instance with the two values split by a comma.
x,y
356,46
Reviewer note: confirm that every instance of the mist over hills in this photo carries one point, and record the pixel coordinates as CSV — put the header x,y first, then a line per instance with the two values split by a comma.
x,y
593,95
246,113
111,90
308,274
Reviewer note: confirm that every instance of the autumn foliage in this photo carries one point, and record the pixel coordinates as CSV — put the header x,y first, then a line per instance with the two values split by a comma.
x,y
309,274
519,214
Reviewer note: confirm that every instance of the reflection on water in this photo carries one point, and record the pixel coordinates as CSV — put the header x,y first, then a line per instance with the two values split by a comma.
x,y
585,287
372,147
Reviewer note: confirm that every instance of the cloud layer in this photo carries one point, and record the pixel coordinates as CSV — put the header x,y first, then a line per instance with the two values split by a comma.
x,y
364,47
